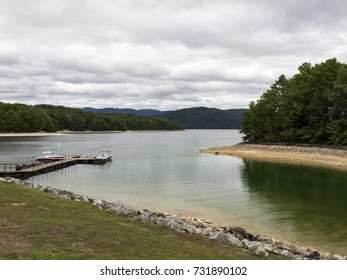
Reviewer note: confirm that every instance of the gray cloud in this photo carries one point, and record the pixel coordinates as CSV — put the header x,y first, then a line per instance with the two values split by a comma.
x,y
166,54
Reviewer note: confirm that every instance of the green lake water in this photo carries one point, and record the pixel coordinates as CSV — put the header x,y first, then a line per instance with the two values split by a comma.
x,y
309,200
163,171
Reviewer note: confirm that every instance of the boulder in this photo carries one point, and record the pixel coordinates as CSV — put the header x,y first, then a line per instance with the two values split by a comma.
x,y
189,228
47,189
175,226
313,255
13,180
98,204
337,257
207,231
162,221
225,238
257,247
286,253
260,250
85,198
251,245
233,240
218,236
239,233
268,247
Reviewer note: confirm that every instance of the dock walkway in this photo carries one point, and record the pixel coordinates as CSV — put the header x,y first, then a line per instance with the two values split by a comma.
x,y
29,169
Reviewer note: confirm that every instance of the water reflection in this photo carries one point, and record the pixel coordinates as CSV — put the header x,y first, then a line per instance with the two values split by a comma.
x,y
163,171
311,201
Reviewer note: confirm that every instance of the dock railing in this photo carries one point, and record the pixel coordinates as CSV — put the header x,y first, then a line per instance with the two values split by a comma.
x,y
6,167
27,169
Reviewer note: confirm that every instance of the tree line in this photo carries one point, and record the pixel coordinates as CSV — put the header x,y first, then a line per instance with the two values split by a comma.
x,y
207,118
49,118
310,107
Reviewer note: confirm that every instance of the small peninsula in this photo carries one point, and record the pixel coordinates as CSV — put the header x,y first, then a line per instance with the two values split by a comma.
x,y
322,156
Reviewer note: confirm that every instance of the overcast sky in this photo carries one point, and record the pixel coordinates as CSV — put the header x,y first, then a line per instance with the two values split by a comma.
x,y
161,54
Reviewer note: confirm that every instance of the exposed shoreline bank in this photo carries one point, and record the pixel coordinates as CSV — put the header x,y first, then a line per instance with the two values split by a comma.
x,y
30,134
57,133
320,156
69,132
233,235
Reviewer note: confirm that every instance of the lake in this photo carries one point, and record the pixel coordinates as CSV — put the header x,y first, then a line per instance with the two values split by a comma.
x,y
163,171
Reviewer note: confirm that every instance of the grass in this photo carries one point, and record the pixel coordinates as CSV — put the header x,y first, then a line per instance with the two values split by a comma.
x,y
38,225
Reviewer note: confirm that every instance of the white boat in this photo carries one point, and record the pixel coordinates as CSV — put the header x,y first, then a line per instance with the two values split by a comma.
x,y
103,156
48,156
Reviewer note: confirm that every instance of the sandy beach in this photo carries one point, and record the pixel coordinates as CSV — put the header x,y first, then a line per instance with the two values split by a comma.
x,y
62,132
329,157
29,134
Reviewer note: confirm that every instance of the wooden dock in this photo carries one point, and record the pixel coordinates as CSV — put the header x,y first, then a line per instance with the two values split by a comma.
x,y
26,170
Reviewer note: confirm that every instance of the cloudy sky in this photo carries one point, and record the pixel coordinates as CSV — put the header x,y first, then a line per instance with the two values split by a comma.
x,y
161,54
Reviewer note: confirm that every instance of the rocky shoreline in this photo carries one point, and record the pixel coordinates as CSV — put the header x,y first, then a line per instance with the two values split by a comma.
x,y
230,235
322,156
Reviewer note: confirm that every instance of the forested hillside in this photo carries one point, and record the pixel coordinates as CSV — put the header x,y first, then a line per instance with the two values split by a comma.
x,y
310,107
195,118
144,112
207,118
24,118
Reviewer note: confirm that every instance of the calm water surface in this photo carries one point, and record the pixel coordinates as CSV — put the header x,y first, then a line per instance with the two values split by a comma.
x,y
163,171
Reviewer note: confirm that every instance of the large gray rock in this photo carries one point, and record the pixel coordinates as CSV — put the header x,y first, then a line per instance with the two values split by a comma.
x,y
257,247
233,240
218,236
162,221
189,228
239,233
225,238
207,231
13,180
260,250
98,204
251,245
175,225
268,247
313,255
286,253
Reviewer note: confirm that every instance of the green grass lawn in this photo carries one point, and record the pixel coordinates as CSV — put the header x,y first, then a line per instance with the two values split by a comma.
x,y
38,225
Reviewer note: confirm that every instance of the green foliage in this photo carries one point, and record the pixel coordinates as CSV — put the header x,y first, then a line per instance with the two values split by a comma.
x,y
311,107
194,118
24,118
337,129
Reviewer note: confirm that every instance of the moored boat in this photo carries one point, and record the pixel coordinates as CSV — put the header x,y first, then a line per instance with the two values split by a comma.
x,y
48,156
104,156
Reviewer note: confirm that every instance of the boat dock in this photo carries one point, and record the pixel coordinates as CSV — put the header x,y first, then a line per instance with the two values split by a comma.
x,y
25,170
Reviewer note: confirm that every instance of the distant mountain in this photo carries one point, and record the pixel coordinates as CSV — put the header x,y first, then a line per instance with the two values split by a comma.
x,y
198,118
207,118
146,112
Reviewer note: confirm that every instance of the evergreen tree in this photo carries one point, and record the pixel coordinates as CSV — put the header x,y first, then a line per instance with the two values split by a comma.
x,y
24,118
311,107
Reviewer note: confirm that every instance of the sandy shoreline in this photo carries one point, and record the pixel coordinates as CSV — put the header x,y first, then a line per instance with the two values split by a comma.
x,y
301,155
66,132
58,133
29,134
